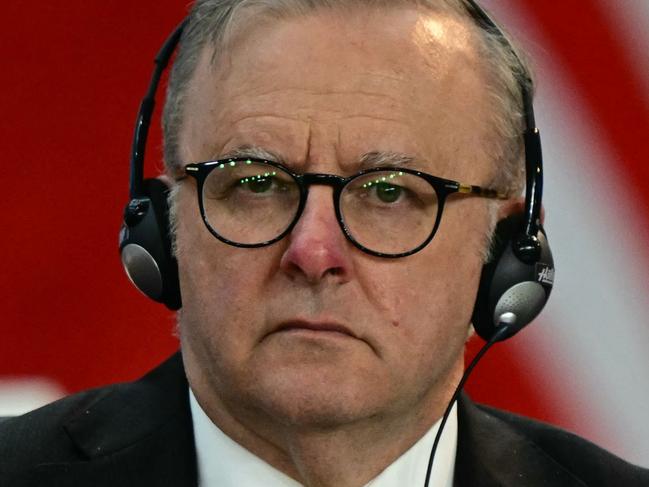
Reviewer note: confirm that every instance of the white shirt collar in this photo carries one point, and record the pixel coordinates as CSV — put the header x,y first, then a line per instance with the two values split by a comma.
x,y
222,462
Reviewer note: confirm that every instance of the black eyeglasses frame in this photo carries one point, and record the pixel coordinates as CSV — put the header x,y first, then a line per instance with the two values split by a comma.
x,y
443,188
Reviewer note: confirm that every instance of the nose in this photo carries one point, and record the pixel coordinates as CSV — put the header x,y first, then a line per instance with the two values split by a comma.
x,y
317,248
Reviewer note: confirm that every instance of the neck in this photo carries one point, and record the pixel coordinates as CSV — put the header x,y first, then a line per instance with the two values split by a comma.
x,y
352,455
349,454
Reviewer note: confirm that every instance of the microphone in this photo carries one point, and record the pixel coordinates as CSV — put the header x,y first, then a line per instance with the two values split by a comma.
x,y
503,331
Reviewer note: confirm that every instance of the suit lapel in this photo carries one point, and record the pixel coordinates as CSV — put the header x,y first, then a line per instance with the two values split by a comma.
x,y
492,453
137,434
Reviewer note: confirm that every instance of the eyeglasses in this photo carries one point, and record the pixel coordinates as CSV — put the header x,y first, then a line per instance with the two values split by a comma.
x,y
384,211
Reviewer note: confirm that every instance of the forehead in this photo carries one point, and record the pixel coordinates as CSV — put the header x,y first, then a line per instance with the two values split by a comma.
x,y
331,86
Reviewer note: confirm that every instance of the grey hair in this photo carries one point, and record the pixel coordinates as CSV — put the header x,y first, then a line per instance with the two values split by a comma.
x,y
211,22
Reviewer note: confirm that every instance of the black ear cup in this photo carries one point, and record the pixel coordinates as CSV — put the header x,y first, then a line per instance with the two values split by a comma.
x,y
145,246
512,292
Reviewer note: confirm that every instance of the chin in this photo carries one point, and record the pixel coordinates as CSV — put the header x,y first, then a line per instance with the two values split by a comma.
x,y
313,398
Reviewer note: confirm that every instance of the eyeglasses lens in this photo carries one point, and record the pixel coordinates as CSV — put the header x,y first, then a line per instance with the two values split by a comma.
x,y
390,212
250,202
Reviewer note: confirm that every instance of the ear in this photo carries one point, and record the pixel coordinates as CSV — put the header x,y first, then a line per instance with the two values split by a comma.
x,y
515,206
167,180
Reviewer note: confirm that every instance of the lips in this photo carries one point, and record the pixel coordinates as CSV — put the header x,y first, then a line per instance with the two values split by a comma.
x,y
324,327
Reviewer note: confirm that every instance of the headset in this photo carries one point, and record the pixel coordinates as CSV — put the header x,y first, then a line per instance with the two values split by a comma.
x,y
514,286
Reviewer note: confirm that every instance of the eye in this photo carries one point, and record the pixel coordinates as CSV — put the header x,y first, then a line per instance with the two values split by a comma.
x,y
388,193
382,188
389,190
242,180
259,183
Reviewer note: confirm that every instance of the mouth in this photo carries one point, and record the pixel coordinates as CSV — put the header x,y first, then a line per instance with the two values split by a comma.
x,y
314,328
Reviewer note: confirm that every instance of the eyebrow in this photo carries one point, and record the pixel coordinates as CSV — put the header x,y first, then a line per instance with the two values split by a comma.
x,y
367,160
250,151
385,159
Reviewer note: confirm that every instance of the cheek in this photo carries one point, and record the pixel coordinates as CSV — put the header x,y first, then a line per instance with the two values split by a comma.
x,y
429,297
218,284
435,284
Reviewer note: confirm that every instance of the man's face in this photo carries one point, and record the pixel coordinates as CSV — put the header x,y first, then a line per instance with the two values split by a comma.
x,y
320,92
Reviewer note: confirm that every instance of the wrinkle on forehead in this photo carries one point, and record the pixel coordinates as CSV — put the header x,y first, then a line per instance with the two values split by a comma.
x,y
341,132
413,83
333,111
442,39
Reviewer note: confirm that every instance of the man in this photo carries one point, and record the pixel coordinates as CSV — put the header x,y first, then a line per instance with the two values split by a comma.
x,y
311,357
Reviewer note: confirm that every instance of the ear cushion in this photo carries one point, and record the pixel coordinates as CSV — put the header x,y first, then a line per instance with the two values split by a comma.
x,y
145,246
512,291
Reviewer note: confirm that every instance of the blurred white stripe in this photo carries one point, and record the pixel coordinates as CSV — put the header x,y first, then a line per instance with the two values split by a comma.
x,y
18,396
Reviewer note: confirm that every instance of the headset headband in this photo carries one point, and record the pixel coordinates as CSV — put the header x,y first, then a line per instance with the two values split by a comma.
x,y
143,121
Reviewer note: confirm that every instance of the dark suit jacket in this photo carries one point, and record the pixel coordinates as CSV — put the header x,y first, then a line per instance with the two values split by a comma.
x,y
140,434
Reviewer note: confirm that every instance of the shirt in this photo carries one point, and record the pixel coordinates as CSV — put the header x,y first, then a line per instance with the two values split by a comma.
x,y
222,462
